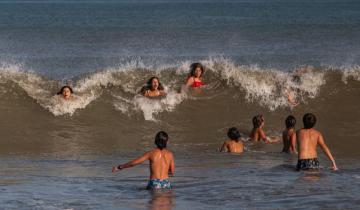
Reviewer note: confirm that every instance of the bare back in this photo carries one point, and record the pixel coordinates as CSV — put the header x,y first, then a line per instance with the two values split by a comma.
x,y
161,163
308,141
289,140
234,146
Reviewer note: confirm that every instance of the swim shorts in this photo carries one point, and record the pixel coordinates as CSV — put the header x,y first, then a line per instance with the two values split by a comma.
x,y
305,164
155,184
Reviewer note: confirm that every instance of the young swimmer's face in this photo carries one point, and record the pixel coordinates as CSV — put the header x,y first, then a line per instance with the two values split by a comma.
x,y
154,84
198,72
66,93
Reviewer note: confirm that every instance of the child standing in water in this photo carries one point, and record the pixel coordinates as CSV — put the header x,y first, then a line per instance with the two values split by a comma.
x,y
233,145
258,133
308,139
161,163
289,135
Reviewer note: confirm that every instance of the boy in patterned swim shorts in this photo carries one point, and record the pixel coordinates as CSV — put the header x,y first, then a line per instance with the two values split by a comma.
x,y
308,139
161,163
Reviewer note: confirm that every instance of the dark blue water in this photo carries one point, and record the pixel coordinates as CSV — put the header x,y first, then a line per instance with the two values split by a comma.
x,y
66,38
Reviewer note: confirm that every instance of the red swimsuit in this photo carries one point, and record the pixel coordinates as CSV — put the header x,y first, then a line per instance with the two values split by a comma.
x,y
197,84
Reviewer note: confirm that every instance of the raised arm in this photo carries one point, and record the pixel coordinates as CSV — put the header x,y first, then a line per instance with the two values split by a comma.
x,y
132,163
326,150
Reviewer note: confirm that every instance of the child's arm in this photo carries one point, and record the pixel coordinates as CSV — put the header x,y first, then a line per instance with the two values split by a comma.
x,y
222,148
263,136
327,151
190,82
172,166
293,143
132,163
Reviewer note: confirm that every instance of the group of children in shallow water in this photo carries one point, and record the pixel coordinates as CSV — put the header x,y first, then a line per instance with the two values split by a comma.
x,y
306,140
302,142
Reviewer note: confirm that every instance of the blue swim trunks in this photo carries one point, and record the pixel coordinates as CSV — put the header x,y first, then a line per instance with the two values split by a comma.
x,y
155,184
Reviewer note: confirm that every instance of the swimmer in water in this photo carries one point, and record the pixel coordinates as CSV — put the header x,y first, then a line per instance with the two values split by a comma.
x,y
196,72
308,139
233,145
161,163
66,92
290,96
289,92
289,135
153,88
258,133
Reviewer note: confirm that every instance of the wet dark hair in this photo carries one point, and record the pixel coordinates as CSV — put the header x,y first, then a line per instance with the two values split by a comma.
x,y
161,139
257,120
62,89
148,85
193,68
233,134
309,120
290,121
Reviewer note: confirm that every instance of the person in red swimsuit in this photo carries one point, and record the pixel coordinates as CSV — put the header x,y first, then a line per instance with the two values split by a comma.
x,y
196,72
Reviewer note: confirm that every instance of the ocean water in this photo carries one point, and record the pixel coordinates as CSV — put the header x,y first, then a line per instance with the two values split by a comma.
x,y
58,155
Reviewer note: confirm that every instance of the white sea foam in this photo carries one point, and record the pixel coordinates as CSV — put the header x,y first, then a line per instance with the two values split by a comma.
x,y
350,72
267,87
42,90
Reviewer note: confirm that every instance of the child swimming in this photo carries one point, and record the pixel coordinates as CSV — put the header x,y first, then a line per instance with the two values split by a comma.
x,y
233,145
161,163
289,135
153,88
196,72
308,139
258,133
66,92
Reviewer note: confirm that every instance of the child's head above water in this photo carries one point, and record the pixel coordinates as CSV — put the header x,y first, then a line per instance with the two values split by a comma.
x,y
258,120
161,140
309,120
154,84
234,134
196,70
290,122
66,91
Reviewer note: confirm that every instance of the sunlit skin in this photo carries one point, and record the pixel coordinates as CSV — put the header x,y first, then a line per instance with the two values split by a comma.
x,y
154,91
308,140
66,93
196,77
258,134
289,141
232,146
161,163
